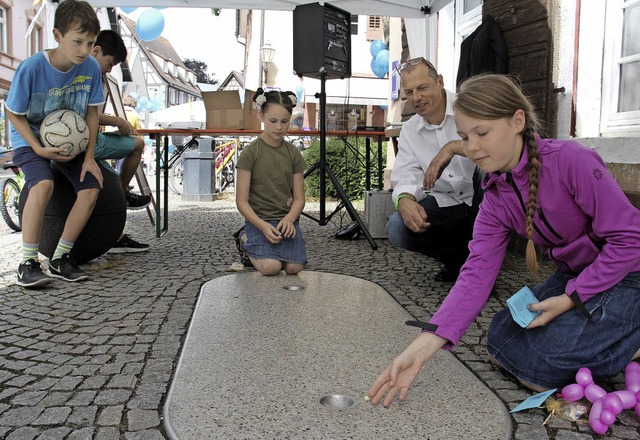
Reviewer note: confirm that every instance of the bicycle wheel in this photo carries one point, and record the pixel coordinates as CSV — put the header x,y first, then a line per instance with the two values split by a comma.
x,y
10,200
176,177
227,175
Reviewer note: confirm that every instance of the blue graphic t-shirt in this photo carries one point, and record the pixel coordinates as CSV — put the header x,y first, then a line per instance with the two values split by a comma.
x,y
38,89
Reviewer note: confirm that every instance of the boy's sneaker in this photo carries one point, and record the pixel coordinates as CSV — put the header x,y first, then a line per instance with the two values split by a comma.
x,y
30,274
128,244
67,269
136,201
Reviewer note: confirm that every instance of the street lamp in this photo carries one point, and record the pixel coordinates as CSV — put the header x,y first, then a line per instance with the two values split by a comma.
x,y
266,55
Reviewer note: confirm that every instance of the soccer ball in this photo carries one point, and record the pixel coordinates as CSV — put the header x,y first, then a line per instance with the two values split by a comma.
x,y
66,129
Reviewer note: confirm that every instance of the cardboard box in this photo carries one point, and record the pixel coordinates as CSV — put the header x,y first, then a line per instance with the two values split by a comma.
x,y
224,111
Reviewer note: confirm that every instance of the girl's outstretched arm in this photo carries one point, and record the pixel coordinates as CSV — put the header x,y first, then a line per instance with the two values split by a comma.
x,y
403,370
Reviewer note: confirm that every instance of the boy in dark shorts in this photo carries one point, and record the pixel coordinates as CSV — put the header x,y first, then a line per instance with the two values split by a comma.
x,y
66,77
124,144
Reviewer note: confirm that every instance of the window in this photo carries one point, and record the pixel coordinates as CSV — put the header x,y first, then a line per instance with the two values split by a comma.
x,y
4,44
34,44
354,25
374,28
621,95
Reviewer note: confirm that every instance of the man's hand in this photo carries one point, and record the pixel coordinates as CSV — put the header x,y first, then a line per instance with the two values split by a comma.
x,y
550,309
413,215
440,162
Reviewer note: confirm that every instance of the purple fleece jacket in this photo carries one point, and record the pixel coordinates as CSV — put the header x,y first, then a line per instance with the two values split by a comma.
x,y
584,223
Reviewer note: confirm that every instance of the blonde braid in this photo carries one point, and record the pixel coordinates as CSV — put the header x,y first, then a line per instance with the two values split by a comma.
x,y
534,165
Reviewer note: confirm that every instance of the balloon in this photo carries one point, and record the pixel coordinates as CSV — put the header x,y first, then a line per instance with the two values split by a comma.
x,y
594,418
143,100
594,392
376,69
583,377
632,376
299,92
607,417
572,392
128,10
150,24
376,46
613,403
627,398
382,60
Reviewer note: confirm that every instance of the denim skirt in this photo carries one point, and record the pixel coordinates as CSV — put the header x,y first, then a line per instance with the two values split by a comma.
x,y
550,356
289,250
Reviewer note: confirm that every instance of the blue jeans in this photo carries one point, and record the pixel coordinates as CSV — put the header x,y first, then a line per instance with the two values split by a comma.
x,y
447,239
550,356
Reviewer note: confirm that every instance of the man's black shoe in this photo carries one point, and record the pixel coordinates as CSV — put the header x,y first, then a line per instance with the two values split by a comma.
x,y
128,244
446,276
136,201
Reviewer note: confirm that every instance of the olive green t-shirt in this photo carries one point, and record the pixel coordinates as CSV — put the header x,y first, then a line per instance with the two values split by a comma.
x,y
272,170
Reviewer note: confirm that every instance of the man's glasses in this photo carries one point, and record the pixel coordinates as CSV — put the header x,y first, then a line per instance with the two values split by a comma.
x,y
414,62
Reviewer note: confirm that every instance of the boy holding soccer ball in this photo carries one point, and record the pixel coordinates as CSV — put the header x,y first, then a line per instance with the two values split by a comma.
x,y
66,77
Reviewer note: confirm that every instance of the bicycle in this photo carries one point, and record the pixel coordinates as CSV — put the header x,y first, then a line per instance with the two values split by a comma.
x,y
223,163
11,188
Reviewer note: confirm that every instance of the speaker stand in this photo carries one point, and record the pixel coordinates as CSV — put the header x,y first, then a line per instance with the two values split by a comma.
x,y
325,170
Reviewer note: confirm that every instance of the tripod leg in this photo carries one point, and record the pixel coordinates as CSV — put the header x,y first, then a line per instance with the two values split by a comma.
x,y
350,209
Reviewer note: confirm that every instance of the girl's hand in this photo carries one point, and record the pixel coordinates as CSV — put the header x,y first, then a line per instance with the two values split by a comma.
x,y
404,369
287,228
550,308
271,233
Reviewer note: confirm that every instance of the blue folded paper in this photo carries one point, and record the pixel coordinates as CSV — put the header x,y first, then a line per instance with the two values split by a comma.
x,y
518,306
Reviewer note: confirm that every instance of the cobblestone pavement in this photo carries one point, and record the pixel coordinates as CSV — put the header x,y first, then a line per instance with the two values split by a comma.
x,y
94,360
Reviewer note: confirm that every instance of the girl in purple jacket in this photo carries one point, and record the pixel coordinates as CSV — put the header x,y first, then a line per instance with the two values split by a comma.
x,y
559,195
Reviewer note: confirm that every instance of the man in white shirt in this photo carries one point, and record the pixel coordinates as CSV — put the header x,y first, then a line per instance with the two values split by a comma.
x,y
433,183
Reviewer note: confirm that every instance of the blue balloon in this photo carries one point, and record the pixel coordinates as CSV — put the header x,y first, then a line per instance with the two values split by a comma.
x,y
382,60
376,46
299,92
376,69
150,24
128,10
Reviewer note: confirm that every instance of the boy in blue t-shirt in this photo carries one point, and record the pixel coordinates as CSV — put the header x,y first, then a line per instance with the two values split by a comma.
x,y
66,77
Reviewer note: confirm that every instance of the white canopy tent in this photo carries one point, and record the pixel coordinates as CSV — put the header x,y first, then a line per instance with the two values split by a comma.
x,y
390,8
189,115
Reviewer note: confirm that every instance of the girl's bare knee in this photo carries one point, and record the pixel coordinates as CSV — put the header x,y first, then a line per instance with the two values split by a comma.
x,y
292,268
267,267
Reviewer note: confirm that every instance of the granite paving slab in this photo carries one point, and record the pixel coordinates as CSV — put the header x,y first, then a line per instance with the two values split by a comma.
x,y
259,358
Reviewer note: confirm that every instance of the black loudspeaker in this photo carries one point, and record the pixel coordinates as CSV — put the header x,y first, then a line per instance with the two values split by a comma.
x,y
321,41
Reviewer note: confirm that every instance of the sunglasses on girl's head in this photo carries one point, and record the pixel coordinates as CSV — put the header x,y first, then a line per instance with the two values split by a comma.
x,y
414,62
